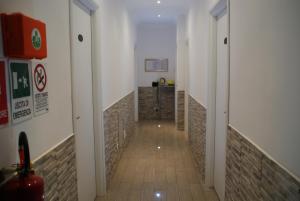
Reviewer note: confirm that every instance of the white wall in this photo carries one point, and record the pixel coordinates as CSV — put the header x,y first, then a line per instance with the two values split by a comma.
x,y
182,64
265,84
198,41
48,130
155,41
264,78
117,51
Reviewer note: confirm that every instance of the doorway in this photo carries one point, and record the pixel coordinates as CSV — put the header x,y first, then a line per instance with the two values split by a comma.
x,y
221,105
83,100
218,96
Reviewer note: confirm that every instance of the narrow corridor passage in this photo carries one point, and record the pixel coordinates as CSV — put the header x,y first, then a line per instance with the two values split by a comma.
x,y
157,165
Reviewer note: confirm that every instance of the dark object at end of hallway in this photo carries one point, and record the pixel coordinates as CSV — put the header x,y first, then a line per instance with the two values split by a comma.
x,y
154,84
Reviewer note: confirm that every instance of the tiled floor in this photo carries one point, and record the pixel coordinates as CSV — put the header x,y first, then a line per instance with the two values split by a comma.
x,y
157,165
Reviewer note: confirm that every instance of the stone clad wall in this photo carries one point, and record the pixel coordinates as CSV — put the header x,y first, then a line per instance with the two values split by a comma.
x,y
148,107
167,103
251,175
152,109
58,168
197,133
118,127
180,110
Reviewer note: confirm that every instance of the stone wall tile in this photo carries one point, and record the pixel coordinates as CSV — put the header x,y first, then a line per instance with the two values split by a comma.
x,y
118,127
180,110
151,108
197,133
58,168
233,166
277,184
251,175
250,171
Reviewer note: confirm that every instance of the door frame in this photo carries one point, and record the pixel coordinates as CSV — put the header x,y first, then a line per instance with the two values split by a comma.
x,y
216,11
99,145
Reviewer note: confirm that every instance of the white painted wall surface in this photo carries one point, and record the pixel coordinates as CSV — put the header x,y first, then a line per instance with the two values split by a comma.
x,y
47,130
198,35
117,51
182,63
265,84
155,41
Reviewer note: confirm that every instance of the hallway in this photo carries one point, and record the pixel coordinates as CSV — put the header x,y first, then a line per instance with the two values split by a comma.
x,y
157,165
143,100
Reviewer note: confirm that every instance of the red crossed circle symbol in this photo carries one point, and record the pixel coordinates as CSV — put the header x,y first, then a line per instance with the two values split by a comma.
x,y
40,77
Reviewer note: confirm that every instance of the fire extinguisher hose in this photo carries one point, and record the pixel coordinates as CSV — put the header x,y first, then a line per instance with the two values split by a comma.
x,y
24,154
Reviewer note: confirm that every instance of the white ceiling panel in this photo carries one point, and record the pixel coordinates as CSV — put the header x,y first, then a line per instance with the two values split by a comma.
x,y
148,10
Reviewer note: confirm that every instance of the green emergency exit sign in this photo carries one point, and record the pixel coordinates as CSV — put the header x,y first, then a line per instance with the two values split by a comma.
x,y
20,80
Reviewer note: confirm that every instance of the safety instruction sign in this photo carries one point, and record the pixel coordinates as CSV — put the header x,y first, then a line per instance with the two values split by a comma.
x,y
21,95
3,95
40,88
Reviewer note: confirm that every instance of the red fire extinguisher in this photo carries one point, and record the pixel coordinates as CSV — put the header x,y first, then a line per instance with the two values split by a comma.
x,y
25,186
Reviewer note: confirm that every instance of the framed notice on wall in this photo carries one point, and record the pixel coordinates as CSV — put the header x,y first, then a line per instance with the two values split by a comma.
x,y
156,65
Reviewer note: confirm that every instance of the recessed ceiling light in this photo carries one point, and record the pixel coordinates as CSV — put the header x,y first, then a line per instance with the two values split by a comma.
x,y
158,2
157,195
158,16
158,124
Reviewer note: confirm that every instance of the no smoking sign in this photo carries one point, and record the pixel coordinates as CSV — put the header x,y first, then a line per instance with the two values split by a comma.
x,y
40,77
40,91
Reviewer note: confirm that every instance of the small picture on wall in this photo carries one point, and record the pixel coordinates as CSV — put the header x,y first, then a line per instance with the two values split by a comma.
x,y
156,65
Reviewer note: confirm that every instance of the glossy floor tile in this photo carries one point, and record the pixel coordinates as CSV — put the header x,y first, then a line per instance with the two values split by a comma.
x,y
157,165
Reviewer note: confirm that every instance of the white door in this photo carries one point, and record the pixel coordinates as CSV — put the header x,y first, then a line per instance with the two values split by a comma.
x,y
83,101
221,106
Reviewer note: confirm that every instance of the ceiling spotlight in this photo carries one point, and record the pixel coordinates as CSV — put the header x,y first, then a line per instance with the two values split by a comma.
x,y
157,195
158,147
158,16
158,2
158,124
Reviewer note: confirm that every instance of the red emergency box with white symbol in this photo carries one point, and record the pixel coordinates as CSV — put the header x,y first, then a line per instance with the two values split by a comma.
x,y
23,37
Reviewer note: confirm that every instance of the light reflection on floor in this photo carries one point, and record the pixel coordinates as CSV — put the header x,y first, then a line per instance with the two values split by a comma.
x,y
157,165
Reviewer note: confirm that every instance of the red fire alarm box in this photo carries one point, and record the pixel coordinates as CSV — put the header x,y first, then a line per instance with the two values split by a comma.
x,y
23,37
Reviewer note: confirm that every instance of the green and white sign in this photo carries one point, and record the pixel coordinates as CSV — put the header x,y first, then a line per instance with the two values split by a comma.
x,y
36,39
21,95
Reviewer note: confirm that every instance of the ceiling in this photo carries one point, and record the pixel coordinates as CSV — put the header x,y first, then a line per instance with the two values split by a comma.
x,y
148,10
